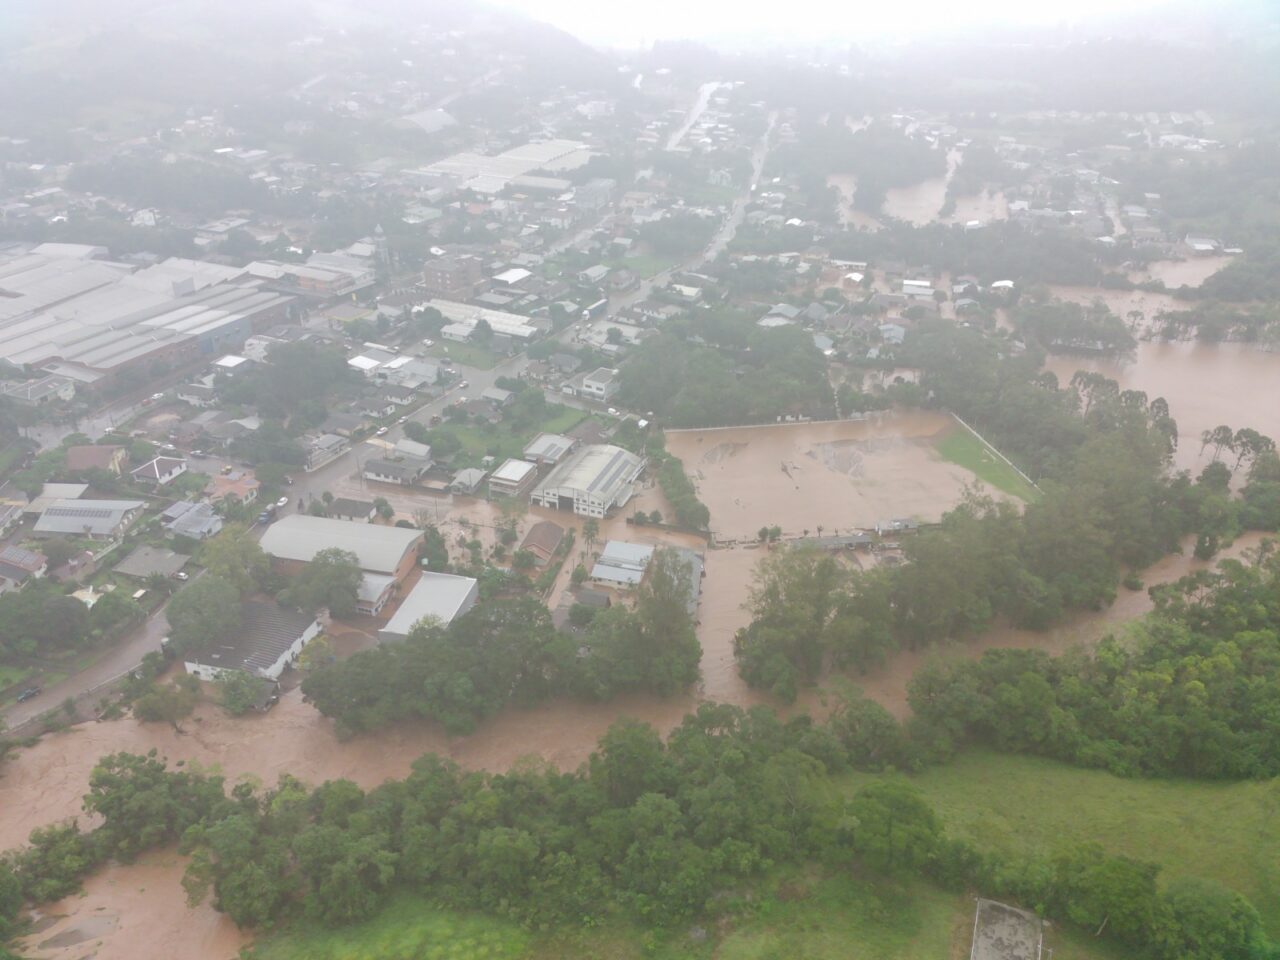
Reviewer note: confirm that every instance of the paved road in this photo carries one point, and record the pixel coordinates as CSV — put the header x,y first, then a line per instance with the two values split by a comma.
x,y
114,664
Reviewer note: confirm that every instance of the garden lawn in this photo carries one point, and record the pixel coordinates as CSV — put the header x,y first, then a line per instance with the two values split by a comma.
x,y
469,354
1224,831
500,440
961,447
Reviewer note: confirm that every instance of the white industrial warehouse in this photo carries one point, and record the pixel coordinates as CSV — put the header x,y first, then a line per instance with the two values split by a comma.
x,y
591,481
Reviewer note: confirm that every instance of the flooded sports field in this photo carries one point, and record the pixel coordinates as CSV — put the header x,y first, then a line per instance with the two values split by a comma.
x,y
1206,384
836,475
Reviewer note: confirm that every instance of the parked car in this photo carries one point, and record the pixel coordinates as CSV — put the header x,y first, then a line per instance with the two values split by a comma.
x,y
428,342
181,575
464,384
157,396
28,693
282,502
435,418
382,431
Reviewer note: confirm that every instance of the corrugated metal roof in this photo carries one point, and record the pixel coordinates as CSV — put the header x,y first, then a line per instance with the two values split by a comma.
x,y
379,549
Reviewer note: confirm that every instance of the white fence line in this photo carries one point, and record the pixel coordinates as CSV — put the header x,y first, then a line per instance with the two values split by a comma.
x,y
987,443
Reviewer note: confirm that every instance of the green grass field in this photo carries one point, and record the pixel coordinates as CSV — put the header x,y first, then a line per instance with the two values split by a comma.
x,y
470,354
1229,832
961,447
13,675
806,916
407,930
500,441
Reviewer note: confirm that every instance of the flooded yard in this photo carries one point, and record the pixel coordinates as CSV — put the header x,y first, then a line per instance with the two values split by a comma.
x,y
1206,384
835,475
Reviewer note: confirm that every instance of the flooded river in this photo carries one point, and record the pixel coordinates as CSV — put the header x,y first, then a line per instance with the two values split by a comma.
x,y
1206,384
137,912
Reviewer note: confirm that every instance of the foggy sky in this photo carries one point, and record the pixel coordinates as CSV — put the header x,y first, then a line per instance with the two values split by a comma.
x,y
803,21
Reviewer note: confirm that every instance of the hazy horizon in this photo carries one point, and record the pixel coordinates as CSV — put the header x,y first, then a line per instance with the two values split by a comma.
x,y
824,23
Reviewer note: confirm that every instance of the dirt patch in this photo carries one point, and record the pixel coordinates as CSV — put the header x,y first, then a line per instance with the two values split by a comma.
x,y
838,475
1206,384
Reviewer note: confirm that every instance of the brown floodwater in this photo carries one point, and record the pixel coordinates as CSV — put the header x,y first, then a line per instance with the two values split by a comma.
x,y
134,912
1206,384
1122,302
1181,273
138,911
846,185
921,202
837,474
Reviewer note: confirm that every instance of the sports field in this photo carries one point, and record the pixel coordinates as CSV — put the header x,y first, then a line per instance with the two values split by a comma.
x,y
836,475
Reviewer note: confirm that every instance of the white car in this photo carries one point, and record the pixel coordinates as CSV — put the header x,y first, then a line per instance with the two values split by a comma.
x,y
382,431
180,575
282,502
428,342
157,396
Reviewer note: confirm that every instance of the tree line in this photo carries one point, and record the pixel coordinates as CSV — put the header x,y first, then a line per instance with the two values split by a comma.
x,y
507,651
656,832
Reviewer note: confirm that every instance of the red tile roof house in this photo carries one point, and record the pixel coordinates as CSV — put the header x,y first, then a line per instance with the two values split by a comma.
x,y
97,457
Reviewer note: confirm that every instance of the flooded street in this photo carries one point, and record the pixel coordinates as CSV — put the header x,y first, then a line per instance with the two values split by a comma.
x,y
1206,384
837,475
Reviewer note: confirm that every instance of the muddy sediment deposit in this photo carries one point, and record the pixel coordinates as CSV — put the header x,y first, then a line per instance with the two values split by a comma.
x,y
837,475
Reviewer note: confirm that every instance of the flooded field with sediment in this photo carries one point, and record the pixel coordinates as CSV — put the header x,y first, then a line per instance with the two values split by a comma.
x,y
838,475
1206,384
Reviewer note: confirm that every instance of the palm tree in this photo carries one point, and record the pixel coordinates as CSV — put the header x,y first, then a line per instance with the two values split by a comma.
x,y
590,530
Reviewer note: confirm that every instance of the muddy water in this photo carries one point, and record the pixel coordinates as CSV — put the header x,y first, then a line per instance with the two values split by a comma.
x,y
138,912
846,185
135,912
1206,384
1181,273
889,686
1122,302
839,475
984,207
921,202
